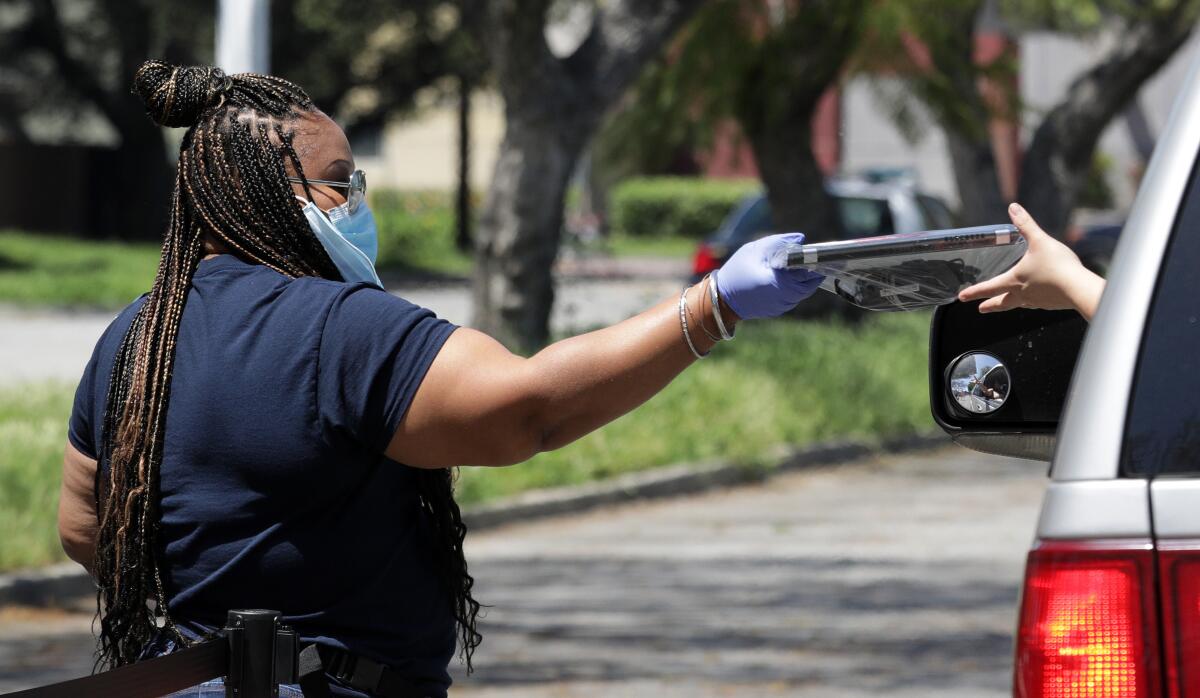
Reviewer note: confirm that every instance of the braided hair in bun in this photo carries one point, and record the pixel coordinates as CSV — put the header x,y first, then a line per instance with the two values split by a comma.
x,y
178,95
231,184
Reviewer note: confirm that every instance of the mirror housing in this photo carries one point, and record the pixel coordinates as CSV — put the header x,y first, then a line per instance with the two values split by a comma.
x,y
1038,350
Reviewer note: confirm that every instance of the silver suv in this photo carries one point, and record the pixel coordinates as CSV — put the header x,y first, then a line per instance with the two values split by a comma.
x,y
1111,599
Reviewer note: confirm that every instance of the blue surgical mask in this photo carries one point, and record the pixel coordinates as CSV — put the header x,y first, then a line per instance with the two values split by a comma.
x,y
349,238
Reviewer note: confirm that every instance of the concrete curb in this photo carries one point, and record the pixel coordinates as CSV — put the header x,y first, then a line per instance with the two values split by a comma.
x,y
65,582
55,585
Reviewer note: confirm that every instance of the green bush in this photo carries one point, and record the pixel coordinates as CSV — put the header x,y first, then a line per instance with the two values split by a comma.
x,y
416,230
675,206
42,269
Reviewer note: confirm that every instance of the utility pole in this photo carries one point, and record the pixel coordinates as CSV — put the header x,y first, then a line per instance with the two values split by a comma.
x,y
244,36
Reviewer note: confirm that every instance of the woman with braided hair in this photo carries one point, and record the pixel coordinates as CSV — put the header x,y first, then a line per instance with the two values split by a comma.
x,y
267,427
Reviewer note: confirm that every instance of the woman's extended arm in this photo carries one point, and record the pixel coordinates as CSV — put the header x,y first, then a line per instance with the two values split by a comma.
x,y
481,405
1049,276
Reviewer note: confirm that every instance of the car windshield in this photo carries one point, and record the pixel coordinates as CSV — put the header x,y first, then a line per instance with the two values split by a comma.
x,y
935,212
755,219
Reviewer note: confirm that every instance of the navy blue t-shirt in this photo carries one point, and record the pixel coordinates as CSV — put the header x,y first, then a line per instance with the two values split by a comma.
x,y
275,491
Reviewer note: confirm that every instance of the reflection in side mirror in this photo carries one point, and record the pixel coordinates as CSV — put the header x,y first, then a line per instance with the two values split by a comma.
x,y
998,381
978,382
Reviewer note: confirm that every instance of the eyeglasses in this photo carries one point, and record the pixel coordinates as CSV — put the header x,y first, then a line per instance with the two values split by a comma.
x,y
356,188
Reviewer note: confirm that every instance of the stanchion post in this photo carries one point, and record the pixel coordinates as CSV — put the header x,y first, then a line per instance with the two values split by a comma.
x,y
253,668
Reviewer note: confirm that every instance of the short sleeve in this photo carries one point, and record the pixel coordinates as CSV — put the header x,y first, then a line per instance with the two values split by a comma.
x,y
375,350
83,429
80,430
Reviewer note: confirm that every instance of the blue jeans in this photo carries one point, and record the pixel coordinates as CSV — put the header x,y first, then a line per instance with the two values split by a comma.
x,y
216,687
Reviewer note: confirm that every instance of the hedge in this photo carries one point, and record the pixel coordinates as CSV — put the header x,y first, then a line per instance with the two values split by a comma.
x,y
416,229
675,206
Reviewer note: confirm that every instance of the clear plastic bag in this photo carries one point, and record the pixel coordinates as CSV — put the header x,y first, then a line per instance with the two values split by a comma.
x,y
908,271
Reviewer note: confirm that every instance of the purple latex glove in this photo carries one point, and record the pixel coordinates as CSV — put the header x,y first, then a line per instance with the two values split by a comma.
x,y
754,289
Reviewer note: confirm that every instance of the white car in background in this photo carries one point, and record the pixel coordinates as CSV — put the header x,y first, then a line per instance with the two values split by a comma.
x,y
1111,599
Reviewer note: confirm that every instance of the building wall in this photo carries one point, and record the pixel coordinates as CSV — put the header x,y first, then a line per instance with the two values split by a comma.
x,y
422,152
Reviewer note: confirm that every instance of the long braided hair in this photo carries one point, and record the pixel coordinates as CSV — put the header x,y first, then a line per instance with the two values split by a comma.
x,y
231,184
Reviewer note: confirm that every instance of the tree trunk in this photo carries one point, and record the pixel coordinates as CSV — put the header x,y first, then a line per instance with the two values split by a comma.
x,y
519,232
974,164
1051,181
553,106
796,190
462,201
961,99
795,184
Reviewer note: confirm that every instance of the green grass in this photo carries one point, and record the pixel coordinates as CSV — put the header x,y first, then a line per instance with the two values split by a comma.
x,y
66,272
33,429
781,382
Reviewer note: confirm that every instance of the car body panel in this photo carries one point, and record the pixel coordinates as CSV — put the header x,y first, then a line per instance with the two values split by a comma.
x,y
1093,423
1176,506
1095,509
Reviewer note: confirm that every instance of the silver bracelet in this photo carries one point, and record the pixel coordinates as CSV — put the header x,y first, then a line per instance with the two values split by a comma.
x,y
683,321
716,306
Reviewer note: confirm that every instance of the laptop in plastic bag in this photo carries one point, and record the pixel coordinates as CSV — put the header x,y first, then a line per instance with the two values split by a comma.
x,y
908,271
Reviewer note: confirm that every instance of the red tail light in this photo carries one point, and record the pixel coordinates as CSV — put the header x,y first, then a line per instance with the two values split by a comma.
x,y
1088,622
1179,567
704,261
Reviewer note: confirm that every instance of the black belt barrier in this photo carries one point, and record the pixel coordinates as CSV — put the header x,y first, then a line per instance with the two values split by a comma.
x,y
255,654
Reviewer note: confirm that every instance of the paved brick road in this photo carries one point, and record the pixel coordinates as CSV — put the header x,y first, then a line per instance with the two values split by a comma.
x,y
893,577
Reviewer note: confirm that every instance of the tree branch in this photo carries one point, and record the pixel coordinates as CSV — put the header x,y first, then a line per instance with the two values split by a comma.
x,y
1059,155
1096,96
524,64
625,34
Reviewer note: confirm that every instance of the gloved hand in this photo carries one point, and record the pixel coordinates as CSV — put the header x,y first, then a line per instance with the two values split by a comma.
x,y
754,289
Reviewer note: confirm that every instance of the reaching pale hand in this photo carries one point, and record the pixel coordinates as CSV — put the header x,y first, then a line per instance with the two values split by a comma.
x,y
1049,276
754,289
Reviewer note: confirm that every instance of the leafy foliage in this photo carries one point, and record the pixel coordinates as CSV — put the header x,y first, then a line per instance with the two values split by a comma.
x,y
366,61
758,63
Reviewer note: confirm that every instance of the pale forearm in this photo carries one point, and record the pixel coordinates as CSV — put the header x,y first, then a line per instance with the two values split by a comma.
x,y
1084,292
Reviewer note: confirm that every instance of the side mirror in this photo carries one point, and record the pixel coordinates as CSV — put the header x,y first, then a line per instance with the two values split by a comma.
x,y
997,382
